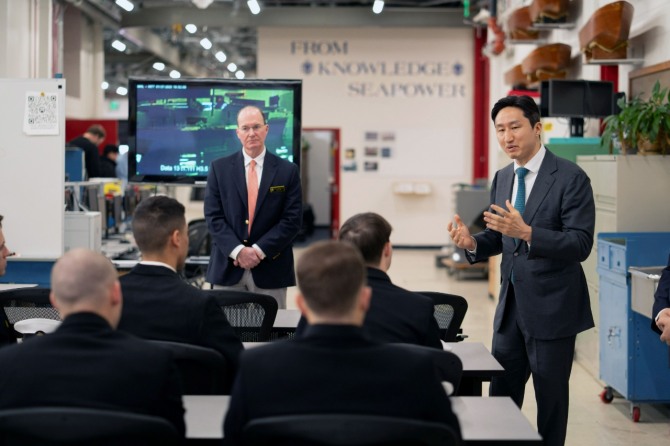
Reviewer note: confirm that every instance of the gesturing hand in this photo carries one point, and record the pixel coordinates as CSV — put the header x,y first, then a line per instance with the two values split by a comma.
x,y
460,234
507,221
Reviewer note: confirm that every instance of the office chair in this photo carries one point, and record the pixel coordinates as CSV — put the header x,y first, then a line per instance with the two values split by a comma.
x,y
199,245
83,426
347,429
449,366
450,311
21,304
251,315
203,370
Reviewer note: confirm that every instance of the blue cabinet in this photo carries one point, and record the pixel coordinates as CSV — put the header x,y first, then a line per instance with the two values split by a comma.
x,y
633,361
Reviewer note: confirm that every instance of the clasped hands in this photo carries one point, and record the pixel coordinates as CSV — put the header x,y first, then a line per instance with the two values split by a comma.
x,y
663,324
506,221
247,258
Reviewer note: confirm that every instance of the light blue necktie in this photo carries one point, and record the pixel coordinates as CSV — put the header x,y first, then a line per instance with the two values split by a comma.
x,y
520,200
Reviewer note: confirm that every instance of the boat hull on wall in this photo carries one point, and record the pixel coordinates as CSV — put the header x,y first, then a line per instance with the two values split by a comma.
x,y
605,35
546,62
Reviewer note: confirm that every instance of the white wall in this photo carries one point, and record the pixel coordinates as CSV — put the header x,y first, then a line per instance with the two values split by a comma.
x,y
367,81
25,39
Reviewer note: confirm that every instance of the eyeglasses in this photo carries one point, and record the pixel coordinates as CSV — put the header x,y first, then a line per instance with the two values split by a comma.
x,y
255,128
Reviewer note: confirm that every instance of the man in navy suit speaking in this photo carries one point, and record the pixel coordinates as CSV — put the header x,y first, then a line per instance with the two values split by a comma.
x,y
253,207
541,220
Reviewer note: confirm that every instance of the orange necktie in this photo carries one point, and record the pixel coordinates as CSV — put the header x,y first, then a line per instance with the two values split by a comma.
x,y
252,191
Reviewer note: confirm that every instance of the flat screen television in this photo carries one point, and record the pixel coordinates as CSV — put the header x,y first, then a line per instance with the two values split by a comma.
x,y
177,127
580,98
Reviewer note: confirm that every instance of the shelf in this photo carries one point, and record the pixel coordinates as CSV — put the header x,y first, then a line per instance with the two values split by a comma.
x,y
615,62
549,26
528,42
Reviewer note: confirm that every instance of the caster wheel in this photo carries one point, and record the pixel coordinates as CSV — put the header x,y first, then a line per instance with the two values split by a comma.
x,y
606,396
635,413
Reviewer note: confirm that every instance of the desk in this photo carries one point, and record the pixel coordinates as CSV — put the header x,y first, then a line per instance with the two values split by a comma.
x,y
484,421
479,365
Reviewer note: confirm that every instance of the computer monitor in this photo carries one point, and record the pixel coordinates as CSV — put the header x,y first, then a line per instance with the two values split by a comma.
x,y
177,127
579,99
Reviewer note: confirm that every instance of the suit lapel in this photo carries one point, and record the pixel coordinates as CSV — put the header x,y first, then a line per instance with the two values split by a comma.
x,y
506,185
269,172
543,183
236,172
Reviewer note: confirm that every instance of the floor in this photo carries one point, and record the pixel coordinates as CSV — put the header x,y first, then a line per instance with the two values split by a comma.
x,y
591,422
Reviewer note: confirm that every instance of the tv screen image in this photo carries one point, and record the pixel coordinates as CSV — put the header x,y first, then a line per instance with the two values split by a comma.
x,y
580,98
177,127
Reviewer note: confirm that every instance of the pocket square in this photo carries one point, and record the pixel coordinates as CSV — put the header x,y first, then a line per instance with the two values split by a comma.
x,y
274,189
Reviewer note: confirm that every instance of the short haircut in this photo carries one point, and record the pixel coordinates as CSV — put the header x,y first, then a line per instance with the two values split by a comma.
x,y
1,217
82,275
525,103
330,276
154,221
110,148
368,232
97,130
252,107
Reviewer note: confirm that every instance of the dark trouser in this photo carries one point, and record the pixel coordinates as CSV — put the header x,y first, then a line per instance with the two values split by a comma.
x,y
550,363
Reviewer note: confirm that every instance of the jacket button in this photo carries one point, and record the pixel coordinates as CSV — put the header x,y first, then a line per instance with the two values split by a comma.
x,y
516,254
246,241
246,222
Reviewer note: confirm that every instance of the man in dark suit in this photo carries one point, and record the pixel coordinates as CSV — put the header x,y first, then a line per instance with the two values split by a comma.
x,y
253,207
544,300
89,142
158,304
395,314
335,367
5,332
85,362
661,311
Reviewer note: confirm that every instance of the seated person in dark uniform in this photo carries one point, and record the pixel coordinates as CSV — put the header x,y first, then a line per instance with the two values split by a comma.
x,y
158,304
85,362
108,161
395,314
334,367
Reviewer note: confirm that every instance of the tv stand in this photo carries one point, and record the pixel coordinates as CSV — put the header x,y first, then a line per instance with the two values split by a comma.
x,y
576,127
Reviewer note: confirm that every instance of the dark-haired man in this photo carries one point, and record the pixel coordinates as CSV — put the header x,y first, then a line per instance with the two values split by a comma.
x,y
395,314
89,142
543,238
158,304
86,362
253,207
334,367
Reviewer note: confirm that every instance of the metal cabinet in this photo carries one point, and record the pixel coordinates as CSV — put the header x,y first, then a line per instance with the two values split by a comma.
x,y
633,361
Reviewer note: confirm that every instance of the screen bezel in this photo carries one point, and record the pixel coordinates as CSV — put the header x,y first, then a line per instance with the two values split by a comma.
x,y
294,85
587,91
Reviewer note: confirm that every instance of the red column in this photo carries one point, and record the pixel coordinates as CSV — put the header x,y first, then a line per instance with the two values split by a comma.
x,y
480,98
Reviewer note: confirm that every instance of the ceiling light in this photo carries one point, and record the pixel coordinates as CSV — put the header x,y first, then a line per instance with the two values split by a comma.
x,y
122,91
254,7
378,6
104,85
202,4
125,4
239,74
174,74
206,43
160,66
191,28
119,46
220,56
232,67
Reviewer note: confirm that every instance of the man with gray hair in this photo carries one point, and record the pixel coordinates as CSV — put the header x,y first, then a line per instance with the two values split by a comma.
x,y
86,362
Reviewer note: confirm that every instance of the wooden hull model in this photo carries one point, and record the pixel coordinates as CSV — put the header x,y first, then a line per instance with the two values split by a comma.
x,y
515,78
520,25
549,11
546,62
605,35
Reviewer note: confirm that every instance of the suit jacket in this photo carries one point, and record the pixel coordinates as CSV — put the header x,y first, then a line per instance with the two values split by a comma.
x,y
549,283
396,314
335,369
85,363
662,296
277,220
158,304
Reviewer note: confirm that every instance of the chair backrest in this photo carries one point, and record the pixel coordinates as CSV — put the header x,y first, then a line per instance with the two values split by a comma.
x,y
347,429
83,426
24,303
449,312
199,240
203,370
449,366
251,315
